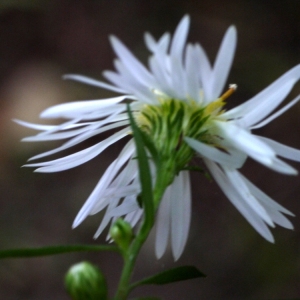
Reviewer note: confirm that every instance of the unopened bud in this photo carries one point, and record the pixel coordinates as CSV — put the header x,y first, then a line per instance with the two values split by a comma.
x,y
121,233
85,281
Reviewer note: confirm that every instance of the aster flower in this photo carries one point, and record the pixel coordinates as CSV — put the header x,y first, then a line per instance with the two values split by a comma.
x,y
178,103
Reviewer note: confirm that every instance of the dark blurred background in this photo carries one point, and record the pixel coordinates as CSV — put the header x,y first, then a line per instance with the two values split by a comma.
x,y
41,40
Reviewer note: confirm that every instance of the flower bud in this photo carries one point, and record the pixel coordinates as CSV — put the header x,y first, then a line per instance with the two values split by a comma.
x,y
85,281
121,233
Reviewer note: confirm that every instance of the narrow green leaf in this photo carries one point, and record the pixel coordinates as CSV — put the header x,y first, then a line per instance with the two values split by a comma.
x,y
53,250
172,275
150,146
144,172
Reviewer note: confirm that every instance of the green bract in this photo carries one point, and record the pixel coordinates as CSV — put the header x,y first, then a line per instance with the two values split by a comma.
x,y
169,122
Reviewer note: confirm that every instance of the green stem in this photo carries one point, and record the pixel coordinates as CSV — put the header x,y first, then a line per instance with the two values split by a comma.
x,y
162,182
129,262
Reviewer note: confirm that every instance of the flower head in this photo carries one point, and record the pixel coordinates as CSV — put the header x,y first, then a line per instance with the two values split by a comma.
x,y
178,103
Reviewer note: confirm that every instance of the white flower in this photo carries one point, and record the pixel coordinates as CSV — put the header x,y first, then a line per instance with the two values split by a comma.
x,y
180,86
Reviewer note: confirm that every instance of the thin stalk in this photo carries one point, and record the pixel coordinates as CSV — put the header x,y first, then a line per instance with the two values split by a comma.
x,y
131,255
129,262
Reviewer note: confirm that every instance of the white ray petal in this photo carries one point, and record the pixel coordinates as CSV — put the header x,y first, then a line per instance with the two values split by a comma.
x,y
176,58
72,133
282,86
109,174
163,220
123,186
116,193
125,208
119,192
134,217
266,106
118,80
239,155
247,142
80,135
86,135
280,219
242,206
70,124
60,135
73,109
128,175
178,78
150,42
163,43
142,93
162,76
107,218
283,150
192,66
131,76
242,189
223,62
179,37
160,46
41,127
205,74
265,199
78,158
215,154
93,82
120,187
130,61
282,167
253,146
276,114
274,209
180,213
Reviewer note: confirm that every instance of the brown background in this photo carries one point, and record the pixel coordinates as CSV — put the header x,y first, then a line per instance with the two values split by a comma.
x,y
40,41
